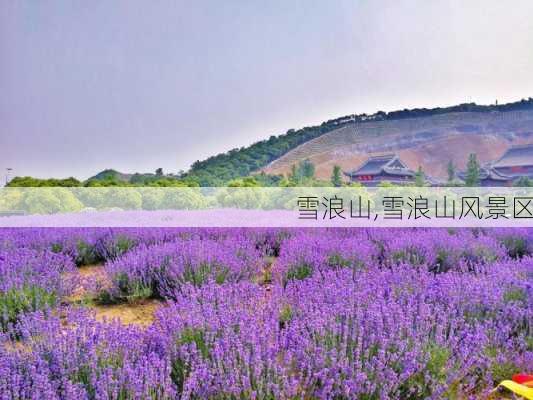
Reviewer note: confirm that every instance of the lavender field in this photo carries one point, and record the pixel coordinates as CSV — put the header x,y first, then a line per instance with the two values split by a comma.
x,y
264,313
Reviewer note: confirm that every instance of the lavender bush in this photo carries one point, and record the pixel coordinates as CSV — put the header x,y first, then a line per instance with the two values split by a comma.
x,y
387,333
32,280
350,313
78,358
161,270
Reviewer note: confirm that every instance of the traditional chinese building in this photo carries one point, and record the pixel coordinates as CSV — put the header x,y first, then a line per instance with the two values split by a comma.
x,y
517,162
489,177
383,168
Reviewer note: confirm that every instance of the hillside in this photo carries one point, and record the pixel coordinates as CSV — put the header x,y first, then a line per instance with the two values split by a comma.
x,y
421,137
426,141
347,140
111,174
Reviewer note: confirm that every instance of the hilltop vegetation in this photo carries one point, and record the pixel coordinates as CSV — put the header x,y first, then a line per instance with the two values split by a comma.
x,y
108,177
236,163
222,169
241,162
28,181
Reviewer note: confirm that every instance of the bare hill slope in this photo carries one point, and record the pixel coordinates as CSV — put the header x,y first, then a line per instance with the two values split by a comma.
x,y
427,141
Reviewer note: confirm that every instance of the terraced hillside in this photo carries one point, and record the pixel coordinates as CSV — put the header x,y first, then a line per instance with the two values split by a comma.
x,y
426,141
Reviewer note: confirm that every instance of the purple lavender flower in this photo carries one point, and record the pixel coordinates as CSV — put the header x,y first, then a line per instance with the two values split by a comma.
x,y
351,313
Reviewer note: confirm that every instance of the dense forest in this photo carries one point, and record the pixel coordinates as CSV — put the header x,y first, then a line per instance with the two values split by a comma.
x,y
222,169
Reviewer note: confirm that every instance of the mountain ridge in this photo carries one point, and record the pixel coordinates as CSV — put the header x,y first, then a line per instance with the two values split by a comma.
x,y
487,130
258,156
430,142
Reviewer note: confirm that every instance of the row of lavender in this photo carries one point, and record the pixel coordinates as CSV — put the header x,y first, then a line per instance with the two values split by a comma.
x,y
350,314
38,266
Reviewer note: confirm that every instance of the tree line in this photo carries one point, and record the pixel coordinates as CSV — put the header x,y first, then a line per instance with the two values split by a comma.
x,y
222,169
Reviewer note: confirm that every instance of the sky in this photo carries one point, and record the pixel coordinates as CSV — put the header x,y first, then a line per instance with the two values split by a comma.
x,y
136,85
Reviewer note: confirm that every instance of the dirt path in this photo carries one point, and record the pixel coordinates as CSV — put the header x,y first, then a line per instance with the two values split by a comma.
x,y
142,314
92,279
89,280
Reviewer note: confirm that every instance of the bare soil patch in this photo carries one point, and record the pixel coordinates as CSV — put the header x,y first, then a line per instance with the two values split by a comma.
x,y
94,271
90,279
135,313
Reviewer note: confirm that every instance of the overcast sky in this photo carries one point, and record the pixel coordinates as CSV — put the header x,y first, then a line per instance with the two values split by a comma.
x,y
136,85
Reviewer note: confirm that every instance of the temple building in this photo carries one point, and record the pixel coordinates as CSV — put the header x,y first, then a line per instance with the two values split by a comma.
x,y
383,168
488,177
517,162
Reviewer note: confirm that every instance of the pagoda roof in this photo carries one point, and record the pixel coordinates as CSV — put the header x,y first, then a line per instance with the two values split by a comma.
x,y
388,163
516,156
487,173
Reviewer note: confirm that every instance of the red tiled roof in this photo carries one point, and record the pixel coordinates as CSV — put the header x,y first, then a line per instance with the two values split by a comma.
x,y
378,164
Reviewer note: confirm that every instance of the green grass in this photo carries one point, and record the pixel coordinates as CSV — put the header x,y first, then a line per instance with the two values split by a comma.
x,y
17,301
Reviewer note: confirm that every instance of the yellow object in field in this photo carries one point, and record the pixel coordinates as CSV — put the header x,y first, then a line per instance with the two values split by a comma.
x,y
516,388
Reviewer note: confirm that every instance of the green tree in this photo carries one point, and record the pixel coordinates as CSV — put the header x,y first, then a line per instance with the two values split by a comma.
x,y
307,169
268,180
159,172
10,199
125,200
420,177
451,171
293,176
302,174
336,177
152,199
472,171
28,181
41,202
523,181
249,181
